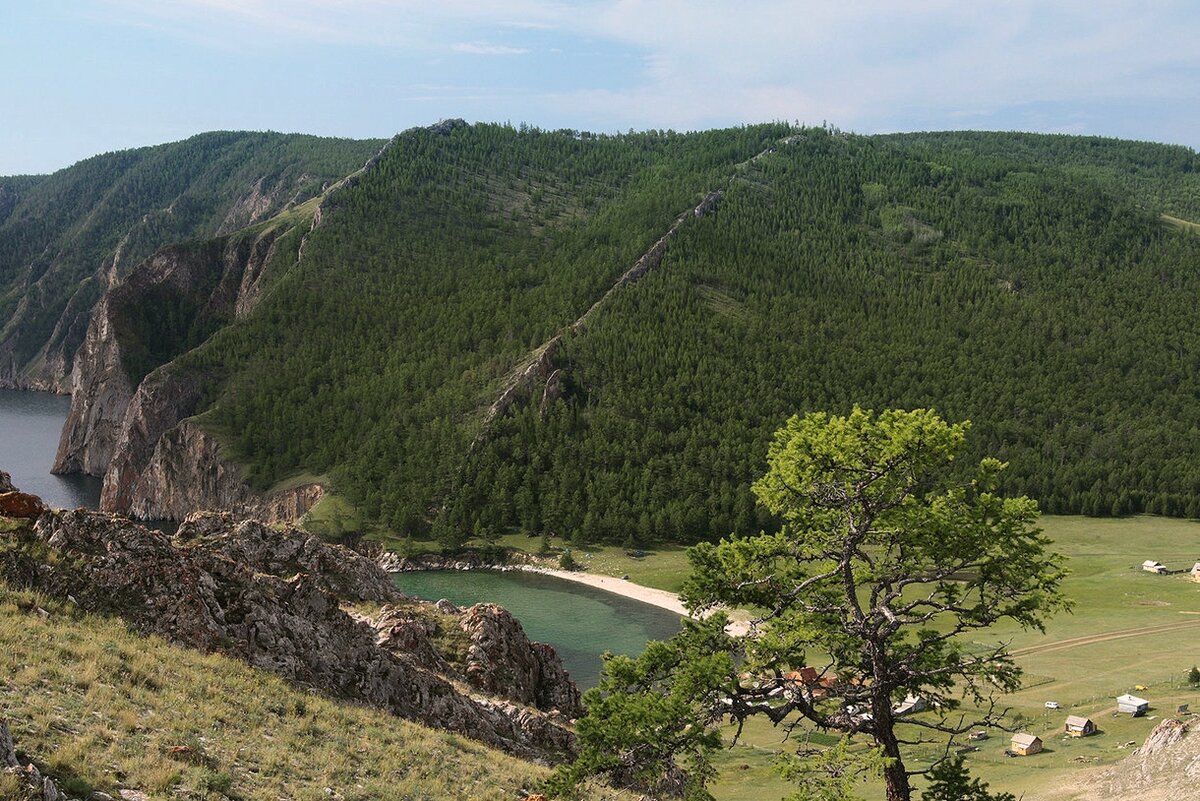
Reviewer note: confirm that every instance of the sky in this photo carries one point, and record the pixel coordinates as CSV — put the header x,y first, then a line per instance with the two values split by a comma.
x,y
85,77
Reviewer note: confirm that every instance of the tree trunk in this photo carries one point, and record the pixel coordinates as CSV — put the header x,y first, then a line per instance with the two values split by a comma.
x,y
894,775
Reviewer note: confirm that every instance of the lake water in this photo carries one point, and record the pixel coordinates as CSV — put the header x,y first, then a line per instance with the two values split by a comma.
x,y
581,622
30,424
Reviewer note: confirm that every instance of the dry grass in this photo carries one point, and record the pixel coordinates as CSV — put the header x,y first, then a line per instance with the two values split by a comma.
x,y
99,707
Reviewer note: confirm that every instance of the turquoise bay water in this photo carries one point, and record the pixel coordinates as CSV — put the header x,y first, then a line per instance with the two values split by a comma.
x,y
581,622
30,424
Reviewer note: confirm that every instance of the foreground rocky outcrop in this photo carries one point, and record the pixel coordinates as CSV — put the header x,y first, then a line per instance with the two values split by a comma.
x,y
274,598
1166,767
503,661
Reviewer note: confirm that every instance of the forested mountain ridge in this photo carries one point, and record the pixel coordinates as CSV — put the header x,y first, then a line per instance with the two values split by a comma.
x,y
1002,278
65,238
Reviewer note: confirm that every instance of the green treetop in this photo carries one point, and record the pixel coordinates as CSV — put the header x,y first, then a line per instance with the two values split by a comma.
x,y
888,554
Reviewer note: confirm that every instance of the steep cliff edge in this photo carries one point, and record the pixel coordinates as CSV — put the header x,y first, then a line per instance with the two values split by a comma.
x,y
274,599
186,471
131,408
172,301
66,238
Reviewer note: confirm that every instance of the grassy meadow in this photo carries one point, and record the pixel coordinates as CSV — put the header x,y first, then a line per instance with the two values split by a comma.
x,y
1128,627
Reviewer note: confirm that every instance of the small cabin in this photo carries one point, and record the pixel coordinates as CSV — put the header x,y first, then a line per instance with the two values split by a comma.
x,y
1026,744
911,705
1077,726
1132,704
1151,566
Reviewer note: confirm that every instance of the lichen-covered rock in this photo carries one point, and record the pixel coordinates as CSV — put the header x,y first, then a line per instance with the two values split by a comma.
x,y
20,504
502,661
286,551
409,635
6,484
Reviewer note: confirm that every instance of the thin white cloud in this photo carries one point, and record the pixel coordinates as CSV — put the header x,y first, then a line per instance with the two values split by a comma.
x,y
485,49
857,63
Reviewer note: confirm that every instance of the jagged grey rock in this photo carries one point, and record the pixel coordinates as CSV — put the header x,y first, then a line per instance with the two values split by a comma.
x,y
271,598
502,661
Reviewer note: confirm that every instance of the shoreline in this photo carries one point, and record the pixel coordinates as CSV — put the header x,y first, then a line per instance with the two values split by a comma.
x,y
651,596
739,623
663,599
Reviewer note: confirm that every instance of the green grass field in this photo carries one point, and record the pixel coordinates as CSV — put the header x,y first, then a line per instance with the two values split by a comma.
x,y
1128,627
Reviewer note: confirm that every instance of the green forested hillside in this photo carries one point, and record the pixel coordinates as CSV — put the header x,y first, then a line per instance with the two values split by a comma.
x,y
975,273
461,250
1052,312
65,236
1162,178
1027,283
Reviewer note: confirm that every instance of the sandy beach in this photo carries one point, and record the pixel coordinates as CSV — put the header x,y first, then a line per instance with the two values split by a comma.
x,y
663,599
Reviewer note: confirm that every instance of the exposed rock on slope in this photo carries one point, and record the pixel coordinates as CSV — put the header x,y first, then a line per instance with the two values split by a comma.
x,y
502,661
271,598
1165,768
539,367
156,463
36,787
129,407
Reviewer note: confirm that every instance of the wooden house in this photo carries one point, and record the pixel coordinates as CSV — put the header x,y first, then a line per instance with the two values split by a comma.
x,y
912,704
1079,727
1026,744
1132,704
1151,566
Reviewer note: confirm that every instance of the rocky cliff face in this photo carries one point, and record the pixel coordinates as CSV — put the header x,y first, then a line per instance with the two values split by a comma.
x,y
274,599
1166,767
502,661
100,391
211,283
185,472
156,463
130,407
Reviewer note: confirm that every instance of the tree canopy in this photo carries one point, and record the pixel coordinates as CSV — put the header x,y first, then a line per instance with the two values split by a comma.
x,y
889,553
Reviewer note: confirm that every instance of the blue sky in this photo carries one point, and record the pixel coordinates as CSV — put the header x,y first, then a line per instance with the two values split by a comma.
x,y
87,77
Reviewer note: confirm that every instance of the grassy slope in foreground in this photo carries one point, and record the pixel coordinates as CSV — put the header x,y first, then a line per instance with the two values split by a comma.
x,y
88,698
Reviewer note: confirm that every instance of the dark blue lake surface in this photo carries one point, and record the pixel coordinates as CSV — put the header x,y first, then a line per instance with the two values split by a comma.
x,y
30,424
581,622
